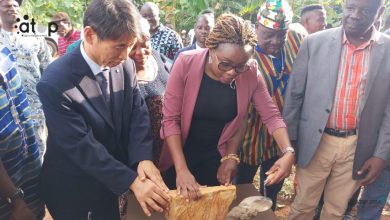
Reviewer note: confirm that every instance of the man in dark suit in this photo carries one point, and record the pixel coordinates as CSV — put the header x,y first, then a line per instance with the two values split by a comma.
x,y
98,123
204,24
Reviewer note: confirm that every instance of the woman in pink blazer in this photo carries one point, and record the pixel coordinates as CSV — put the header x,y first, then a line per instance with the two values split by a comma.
x,y
205,107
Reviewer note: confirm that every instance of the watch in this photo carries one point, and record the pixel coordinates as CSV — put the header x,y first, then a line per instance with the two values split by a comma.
x,y
17,194
288,149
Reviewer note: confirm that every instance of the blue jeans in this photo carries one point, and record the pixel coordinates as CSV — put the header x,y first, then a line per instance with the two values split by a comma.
x,y
374,197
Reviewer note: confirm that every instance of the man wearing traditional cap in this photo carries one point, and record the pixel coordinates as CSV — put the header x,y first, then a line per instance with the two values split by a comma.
x,y
68,35
275,53
337,109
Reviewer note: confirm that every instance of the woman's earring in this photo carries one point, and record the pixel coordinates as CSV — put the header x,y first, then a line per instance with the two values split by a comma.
x,y
210,60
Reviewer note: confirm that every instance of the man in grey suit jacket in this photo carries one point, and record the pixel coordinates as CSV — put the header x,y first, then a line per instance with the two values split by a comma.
x,y
99,143
337,108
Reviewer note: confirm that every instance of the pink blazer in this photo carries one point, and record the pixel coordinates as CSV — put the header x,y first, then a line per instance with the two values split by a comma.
x,y
182,92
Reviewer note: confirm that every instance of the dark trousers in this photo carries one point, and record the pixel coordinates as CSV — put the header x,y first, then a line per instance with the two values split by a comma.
x,y
204,172
247,172
77,198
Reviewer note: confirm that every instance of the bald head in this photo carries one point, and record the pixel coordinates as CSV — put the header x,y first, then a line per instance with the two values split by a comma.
x,y
150,6
151,13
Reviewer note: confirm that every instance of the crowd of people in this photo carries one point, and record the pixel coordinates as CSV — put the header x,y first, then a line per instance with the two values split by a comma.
x,y
125,109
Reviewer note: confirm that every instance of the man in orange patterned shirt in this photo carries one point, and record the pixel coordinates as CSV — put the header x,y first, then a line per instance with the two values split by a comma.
x,y
337,108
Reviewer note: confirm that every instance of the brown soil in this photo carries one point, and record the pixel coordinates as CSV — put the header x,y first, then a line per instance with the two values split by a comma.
x,y
284,200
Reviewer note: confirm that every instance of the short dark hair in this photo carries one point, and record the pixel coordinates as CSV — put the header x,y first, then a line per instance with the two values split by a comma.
x,y
309,8
61,16
112,19
207,11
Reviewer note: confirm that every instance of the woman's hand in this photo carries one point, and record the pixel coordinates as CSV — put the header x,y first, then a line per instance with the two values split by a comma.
x,y
226,171
187,186
281,169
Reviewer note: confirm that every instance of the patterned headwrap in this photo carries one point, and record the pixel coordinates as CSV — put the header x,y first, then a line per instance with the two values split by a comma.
x,y
275,14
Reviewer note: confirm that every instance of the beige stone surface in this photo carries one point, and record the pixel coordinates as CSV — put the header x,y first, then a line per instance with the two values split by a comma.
x,y
254,207
213,204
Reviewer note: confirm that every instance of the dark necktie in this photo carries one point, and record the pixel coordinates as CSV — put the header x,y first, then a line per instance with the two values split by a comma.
x,y
104,83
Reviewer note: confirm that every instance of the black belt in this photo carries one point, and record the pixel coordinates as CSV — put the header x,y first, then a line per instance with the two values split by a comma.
x,y
340,133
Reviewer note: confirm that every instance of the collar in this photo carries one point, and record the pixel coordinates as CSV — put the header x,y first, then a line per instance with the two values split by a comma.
x,y
71,33
374,37
159,29
197,46
258,49
96,68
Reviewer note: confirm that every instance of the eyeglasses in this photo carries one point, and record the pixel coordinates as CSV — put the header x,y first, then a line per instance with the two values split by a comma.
x,y
225,66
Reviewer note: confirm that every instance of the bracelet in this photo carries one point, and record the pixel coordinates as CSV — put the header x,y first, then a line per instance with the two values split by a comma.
x,y
231,156
288,149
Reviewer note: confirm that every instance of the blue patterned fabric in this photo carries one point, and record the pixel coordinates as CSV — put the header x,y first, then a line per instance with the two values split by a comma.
x,y
19,152
166,41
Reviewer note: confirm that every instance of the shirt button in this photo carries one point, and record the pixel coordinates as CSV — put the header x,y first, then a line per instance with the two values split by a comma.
x,y
117,71
320,130
327,110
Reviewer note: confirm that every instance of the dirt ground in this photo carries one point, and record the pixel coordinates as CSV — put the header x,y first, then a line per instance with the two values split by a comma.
x,y
285,199
284,209
282,212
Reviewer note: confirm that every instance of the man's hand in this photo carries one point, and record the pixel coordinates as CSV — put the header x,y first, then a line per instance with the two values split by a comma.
x,y
21,211
150,196
147,170
372,167
226,171
280,170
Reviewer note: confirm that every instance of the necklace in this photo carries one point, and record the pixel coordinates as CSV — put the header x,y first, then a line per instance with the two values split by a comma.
x,y
233,84
279,75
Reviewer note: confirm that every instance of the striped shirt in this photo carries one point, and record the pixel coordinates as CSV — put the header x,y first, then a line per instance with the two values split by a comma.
x,y
18,150
64,42
258,145
352,77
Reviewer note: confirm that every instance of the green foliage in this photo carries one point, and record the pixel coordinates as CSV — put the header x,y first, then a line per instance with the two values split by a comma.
x,y
43,10
181,13
333,9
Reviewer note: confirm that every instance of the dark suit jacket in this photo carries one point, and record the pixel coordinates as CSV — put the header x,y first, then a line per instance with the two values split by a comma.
x,y
191,47
90,150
